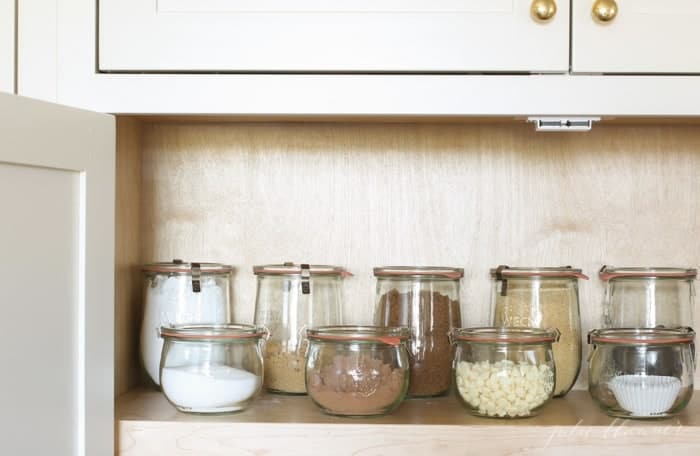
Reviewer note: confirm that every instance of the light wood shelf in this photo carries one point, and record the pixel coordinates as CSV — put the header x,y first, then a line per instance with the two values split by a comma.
x,y
149,425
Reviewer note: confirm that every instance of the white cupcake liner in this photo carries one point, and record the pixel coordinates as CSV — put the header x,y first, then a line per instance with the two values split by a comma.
x,y
645,395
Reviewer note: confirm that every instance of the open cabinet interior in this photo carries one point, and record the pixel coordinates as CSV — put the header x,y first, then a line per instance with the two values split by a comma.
x,y
471,195
466,194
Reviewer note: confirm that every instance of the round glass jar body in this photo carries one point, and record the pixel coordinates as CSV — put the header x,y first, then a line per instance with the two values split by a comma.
x,y
211,369
641,373
181,293
357,370
290,299
425,299
648,297
542,298
504,372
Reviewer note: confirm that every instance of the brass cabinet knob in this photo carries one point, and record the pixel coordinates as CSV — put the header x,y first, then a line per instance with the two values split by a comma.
x,y
543,10
604,10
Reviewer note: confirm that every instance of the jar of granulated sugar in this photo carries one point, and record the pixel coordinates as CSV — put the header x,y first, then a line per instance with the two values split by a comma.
x,y
211,368
181,293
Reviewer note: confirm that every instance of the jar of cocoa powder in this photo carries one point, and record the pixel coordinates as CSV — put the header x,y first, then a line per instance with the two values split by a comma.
x,y
357,370
425,299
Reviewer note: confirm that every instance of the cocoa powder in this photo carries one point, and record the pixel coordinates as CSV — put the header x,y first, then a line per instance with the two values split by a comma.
x,y
356,384
429,349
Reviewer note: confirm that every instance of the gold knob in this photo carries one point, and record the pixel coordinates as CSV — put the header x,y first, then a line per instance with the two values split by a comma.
x,y
543,10
604,10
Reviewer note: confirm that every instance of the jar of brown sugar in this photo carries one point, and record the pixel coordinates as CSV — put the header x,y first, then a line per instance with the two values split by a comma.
x,y
425,299
290,299
357,370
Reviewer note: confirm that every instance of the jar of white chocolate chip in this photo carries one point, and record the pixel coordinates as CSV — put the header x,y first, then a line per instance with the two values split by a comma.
x,y
504,372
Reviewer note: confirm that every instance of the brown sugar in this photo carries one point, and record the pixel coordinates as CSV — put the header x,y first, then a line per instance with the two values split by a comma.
x,y
429,350
284,370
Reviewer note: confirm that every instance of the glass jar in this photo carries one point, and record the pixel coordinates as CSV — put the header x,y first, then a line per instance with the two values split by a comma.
x,y
648,297
542,298
211,368
504,372
181,293
357,370
641,373
425,299
291,298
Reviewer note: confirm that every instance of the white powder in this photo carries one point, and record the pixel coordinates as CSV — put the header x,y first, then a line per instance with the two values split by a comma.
x,y
209,388
169,301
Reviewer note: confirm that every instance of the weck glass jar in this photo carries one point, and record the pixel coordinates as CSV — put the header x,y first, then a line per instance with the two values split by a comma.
x,y
425,299
178,292
504,372
290,299
542,298
643,373
357,370
648,297
211,368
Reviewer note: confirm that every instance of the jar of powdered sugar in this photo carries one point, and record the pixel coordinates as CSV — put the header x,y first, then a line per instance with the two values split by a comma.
x,y
178,293
212,368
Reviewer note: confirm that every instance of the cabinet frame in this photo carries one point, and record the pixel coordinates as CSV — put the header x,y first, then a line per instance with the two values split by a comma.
x,y
57,62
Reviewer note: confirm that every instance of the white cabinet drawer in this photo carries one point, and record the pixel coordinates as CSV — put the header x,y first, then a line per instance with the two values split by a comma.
x,y
646,36
330,36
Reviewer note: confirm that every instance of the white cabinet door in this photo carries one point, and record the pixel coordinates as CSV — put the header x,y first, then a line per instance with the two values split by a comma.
x,y
646,36
331,36
56,279
7,46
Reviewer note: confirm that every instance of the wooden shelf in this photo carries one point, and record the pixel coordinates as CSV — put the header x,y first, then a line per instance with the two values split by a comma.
x,y
149,425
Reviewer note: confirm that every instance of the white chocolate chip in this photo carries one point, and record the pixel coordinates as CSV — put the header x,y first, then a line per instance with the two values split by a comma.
x,y
504,388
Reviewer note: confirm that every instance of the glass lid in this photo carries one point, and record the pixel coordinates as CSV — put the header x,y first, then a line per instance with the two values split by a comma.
x,y
390,335
505,272
213,332
516,335
184,267
290,268
648,336
610,272
419,272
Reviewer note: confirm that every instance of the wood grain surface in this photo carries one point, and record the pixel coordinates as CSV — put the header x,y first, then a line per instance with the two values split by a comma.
x,y
285,425
127,299
363,195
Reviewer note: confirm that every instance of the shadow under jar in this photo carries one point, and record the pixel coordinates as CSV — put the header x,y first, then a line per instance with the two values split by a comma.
x,y
290,299
542,298
641,373
504,372
648,297
425,299
357,370
211,368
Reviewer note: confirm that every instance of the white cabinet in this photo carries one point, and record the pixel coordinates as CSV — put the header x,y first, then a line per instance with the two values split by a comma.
x,y
646,36
56,279
331,36
7,46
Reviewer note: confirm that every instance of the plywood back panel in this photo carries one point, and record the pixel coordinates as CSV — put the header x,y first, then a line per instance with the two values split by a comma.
x,y
468,195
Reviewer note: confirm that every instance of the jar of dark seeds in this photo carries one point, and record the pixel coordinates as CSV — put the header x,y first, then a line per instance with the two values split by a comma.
x,y
425,299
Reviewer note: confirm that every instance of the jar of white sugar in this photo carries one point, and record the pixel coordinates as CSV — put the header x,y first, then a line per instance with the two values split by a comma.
x,y
504,372
181,293
211,368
